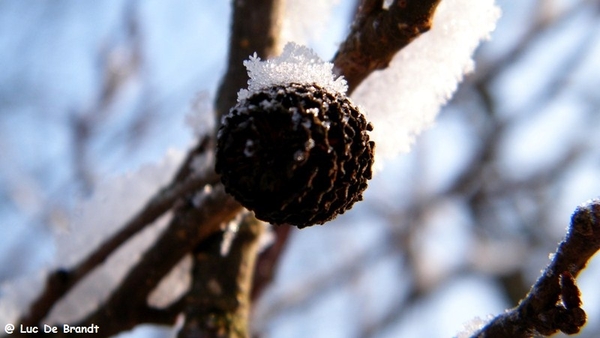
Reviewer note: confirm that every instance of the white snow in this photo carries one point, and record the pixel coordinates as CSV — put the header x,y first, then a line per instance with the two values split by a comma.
x,y
113,203
297,64
472,327
403,100
231,230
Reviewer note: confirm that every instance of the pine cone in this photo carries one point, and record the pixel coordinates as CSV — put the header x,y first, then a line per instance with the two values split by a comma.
x,y
295,154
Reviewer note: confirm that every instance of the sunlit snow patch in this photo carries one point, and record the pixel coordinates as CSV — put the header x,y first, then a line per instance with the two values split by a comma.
x,y
297,64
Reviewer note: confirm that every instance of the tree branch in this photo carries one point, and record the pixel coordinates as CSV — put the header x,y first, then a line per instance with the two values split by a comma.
x,y
218,303
62,281
377,34
190,225
553,304
224,311
255,29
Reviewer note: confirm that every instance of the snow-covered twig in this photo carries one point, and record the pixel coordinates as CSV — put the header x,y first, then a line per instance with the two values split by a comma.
x,y
378,33
61,281
553,304
127,306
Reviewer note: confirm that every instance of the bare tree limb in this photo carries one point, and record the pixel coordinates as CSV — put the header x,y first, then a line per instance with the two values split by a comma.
x,y
255,29
218,303
190,224
553,304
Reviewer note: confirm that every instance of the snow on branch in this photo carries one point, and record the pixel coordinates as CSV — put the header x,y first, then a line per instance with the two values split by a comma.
x,y
404,99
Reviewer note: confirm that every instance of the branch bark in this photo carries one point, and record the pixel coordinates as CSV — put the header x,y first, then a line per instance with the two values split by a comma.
x,y
255,28
127,305
218,304
377,34
190,225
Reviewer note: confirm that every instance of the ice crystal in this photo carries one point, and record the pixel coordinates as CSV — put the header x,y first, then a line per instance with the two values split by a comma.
x,y
297,64
473,326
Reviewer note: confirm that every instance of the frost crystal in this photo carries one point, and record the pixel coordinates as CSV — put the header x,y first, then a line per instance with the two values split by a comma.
x,y
402,100
297,64
98,217
473,326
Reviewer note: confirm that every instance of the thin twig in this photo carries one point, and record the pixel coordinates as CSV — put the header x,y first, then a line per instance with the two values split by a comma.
x,y
553,303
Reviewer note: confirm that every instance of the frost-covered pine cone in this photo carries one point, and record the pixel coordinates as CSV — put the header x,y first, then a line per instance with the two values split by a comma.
x,y
295,154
